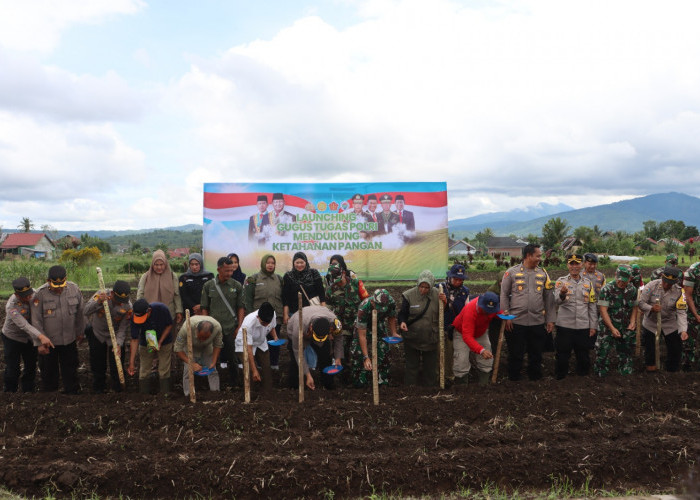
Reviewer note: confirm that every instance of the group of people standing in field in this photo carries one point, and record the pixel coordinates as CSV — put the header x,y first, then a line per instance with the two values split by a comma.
x,y
336,327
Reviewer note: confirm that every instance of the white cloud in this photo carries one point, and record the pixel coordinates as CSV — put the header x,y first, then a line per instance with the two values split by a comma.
x,y
512,96
37,25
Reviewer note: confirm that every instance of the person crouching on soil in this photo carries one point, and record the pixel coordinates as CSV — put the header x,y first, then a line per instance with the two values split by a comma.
x,y
384,304
207,341
664,296
418,320
471,341
258,325
151,328
323,345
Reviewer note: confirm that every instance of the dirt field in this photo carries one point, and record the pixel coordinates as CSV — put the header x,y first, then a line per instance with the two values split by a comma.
x,y
622,434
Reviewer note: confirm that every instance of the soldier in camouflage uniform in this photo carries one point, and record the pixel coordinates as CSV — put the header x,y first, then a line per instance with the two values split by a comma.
x,y
691,287
361,344
671,261
636,280
343,297
618,314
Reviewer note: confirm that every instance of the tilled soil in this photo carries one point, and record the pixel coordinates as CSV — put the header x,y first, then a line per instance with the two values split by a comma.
x,y
622,433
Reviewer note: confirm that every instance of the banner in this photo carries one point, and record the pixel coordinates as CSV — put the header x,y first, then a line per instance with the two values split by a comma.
x,y
384,231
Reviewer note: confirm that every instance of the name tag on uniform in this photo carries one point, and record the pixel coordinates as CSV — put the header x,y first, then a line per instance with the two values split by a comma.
x,y
417,305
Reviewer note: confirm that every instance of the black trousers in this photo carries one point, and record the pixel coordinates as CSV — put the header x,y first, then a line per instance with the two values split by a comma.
x,y
674,348
274,350
228,352
522,339
323,352
569,339
65,358
14,351
100,356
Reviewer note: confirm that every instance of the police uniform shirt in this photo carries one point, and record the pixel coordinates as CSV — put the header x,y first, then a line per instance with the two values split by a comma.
x,y
527,293
310,313
121,315
673,307
17,322
597,278
577,310
59,316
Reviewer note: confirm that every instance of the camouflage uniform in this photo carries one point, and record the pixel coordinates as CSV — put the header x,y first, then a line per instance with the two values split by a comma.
x,y
344,301
636,280
620,303
385,310
691,357
671,260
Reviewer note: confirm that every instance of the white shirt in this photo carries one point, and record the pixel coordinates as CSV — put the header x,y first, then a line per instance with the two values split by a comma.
x,y
257,334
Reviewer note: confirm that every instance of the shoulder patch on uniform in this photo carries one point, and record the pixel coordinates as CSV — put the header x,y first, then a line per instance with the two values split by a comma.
x,y
681,304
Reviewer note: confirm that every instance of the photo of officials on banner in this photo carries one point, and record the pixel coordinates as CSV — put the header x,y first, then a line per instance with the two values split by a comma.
x,y
387,230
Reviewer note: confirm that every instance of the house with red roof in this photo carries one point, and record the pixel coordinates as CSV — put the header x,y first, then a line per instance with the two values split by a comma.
x,y
36,245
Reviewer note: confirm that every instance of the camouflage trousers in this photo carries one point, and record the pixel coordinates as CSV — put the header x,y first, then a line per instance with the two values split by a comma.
x,y
623,347
690,358
362,377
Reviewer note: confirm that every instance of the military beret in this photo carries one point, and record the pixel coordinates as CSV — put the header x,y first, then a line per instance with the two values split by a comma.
x,y
590,257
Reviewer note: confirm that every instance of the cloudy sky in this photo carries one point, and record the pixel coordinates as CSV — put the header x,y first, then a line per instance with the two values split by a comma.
x,y
114,112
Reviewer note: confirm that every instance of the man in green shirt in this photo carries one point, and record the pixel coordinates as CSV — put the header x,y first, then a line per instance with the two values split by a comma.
x,y
222,299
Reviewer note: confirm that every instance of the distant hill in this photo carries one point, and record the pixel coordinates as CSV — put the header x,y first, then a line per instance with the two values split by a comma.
x,y
627,215
496,220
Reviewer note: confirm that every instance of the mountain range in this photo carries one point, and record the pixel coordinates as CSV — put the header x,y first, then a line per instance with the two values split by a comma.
x,y
627,215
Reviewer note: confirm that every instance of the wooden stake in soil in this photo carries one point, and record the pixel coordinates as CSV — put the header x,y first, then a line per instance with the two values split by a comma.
x,y
375,368
110,326
441,332
246,367
190,356
300,354
658,337
638,340
498,351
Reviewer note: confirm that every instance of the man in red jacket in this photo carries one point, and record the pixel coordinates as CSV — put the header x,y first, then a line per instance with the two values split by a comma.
x,y
473,324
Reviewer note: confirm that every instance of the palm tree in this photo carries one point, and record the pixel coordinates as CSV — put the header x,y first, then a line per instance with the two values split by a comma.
x,y
26,224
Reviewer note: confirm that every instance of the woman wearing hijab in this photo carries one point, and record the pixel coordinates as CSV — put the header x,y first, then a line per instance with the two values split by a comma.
x,y
340,261
238,275
159,284
266,286
301,279
192,281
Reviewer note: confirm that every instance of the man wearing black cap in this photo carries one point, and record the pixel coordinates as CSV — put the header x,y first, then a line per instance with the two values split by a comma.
x,y
454,296
472,343
258,325
20,339
577,318
279,215
260,222
590,272
98,336
57,312
405,216
387,218
152,321
664,296
323,345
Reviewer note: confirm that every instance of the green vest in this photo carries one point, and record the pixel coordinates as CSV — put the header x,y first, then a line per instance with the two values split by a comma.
x,y
422,334
261,288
